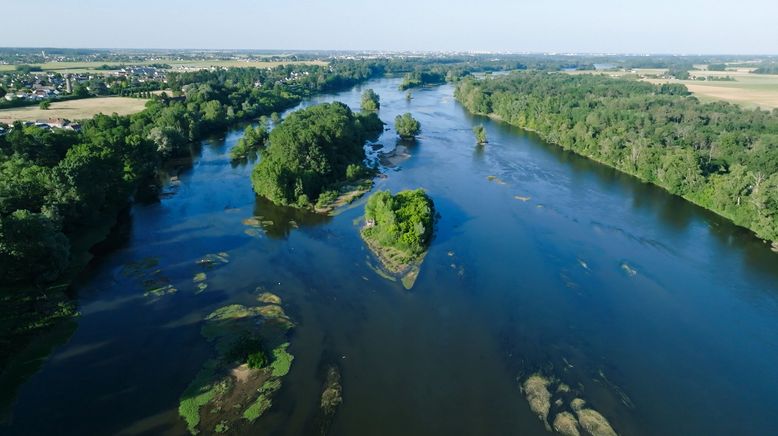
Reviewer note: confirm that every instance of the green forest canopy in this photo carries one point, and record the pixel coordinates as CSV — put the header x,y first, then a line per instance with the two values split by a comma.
x,y
717,155
403,221
311,151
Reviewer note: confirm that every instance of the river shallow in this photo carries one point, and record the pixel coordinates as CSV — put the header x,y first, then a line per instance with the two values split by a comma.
x,y
663,315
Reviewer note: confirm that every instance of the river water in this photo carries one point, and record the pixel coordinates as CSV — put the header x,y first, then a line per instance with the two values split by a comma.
x,y
664,317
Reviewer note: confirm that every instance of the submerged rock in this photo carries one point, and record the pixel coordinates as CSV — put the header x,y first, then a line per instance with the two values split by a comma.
x,y
591,420
536,390
566,424
332,395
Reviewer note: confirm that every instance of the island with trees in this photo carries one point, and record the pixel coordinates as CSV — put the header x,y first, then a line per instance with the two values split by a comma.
x,y
717,155
371,102
480,134
418,79
315,158
406,126
398,229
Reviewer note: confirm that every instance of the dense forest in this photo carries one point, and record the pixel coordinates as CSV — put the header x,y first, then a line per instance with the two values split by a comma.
x,y
717,155
312,151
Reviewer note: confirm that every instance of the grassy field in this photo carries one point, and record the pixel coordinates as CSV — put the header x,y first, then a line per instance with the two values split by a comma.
x,y
84,67
75,109
748,90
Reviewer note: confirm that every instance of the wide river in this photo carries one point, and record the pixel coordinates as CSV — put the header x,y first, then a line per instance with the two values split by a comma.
x,y
662,315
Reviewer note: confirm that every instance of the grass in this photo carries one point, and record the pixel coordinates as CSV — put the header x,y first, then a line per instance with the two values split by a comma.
x,y
282,361
75,109
197,395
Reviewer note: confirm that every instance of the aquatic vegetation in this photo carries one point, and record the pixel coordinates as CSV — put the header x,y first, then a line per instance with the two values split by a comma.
x,y
536,390
214,259
409,279
341,195
520,198
254,233
566,424
628,269
199,282
196,395
591,420
332,395
139,267
381,272
268,298
282,361
256,409
160,291
496,180
240,383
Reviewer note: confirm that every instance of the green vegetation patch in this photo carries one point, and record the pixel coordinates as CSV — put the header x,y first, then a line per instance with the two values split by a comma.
x,y
312,151
282,361
398,229
240,382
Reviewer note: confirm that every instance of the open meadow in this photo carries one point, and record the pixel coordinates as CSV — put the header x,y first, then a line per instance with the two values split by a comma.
x,y
75,109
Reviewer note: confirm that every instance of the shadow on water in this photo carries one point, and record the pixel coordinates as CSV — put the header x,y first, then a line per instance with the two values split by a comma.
x,y
279,221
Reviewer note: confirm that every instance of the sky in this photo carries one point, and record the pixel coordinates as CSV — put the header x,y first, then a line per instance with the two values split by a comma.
x,y
560,26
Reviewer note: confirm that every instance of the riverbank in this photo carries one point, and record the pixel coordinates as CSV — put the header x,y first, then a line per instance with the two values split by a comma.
x,y
693,199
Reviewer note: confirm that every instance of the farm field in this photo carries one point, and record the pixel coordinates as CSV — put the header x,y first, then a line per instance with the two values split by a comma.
x,y
75,109
84,67
748,90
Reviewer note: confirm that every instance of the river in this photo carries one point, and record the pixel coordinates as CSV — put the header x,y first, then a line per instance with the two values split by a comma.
x,y
662,315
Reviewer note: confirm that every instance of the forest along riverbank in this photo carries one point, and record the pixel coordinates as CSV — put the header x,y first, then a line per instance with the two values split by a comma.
x,y
549,277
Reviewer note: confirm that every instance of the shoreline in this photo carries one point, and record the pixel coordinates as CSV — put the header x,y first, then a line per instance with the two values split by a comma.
x,y
773,245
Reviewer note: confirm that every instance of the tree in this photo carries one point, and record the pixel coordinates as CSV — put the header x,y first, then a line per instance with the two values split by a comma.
x,y
45,105
370,101
480,134
248,146
31,247
403,221
407,126
310,152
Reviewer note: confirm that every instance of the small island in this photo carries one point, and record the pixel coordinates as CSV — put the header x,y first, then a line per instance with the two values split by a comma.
x,y
315,158
406,126
398,230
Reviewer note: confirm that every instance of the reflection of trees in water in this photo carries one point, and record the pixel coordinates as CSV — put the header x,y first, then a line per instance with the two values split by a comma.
x,y
284,219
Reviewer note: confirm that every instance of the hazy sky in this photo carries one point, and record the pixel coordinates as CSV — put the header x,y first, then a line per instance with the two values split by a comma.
x,y
655,26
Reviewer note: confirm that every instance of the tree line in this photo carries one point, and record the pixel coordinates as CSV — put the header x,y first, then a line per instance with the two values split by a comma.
x,y
716,155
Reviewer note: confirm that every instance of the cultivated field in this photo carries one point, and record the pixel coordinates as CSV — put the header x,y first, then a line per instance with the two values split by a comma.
x,y
748,90
75,109
85,67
